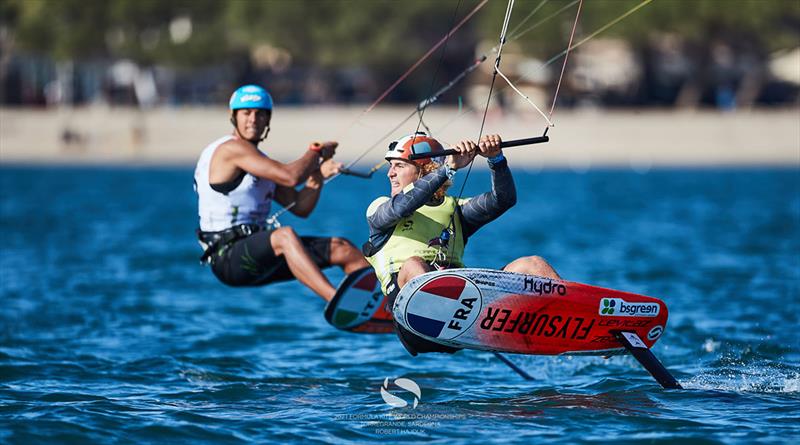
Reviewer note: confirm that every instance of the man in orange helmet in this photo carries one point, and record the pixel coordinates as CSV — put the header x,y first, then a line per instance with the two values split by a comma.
x,y
419,228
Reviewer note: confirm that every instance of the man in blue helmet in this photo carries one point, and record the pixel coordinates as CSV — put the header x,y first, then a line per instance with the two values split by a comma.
x,y
236,184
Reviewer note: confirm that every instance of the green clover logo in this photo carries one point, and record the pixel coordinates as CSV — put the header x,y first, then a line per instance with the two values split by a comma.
x,y
608,306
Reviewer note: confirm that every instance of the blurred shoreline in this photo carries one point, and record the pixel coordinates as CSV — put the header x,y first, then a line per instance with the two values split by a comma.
x,y
581,139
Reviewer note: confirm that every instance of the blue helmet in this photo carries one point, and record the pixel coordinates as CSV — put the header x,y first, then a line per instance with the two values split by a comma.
x,y
250,96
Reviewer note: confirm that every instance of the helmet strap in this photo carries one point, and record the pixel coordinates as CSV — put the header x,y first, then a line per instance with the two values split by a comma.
x,y
266,133
233,122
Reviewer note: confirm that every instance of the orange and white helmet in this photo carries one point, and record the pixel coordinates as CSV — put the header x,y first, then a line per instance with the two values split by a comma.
x,y
415,143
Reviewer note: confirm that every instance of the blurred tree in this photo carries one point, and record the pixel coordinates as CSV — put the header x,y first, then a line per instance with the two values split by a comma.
x,y
375,33
142,30
768,24
382,36
64,29
386,36
176,32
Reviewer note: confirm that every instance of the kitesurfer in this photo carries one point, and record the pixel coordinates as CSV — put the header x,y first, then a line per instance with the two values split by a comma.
x,y
419,228
236,183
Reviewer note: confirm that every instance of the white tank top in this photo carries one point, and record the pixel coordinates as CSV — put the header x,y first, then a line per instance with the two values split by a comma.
x,y
248,203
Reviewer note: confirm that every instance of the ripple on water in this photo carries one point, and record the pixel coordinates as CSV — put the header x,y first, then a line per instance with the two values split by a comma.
x,y
111,332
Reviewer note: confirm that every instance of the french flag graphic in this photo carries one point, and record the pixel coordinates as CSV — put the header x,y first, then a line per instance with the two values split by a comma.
x,y
433,305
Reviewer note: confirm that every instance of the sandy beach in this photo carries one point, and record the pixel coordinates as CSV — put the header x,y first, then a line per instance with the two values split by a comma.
x,y
580,140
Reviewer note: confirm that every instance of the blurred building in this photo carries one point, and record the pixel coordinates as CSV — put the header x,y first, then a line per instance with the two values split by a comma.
x,y
665,71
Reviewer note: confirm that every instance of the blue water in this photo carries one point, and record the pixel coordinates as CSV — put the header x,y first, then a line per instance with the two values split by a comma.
x,y
111,332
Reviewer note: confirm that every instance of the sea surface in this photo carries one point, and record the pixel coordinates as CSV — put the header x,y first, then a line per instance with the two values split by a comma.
x,y
112,332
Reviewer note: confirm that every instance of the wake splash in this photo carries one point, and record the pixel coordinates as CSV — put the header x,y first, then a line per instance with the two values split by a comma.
x,y
752,379
747,374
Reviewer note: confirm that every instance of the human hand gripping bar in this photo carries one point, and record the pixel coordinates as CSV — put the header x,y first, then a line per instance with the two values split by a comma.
x,y
504,144
413,157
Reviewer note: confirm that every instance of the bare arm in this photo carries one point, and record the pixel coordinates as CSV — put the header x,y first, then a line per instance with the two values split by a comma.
x,y
300,202
241,155
304,201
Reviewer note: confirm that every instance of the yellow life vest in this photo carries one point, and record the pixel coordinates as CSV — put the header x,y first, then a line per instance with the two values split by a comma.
x,y
411,235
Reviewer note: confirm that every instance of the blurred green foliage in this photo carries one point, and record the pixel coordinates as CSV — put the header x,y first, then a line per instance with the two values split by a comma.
x,y
385,35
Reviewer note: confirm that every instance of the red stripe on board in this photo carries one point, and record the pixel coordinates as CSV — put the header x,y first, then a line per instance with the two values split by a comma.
x,y
367,283
447,287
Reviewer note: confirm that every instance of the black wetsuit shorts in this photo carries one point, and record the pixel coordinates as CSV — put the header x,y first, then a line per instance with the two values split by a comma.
x,y
251,261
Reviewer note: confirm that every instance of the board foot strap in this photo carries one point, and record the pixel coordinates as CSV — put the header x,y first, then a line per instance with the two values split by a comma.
x,y
645,356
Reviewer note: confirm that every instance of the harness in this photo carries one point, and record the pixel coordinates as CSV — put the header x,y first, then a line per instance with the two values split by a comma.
x,y
218,241
442,245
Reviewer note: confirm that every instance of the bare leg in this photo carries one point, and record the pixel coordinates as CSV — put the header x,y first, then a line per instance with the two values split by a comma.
x,y
533,265
285,242
413,267
345,255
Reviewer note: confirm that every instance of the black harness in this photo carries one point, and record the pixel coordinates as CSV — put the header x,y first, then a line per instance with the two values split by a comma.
x,y
216,241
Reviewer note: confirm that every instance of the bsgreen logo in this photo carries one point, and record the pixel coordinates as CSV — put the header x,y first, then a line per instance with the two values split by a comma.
x,y
621,308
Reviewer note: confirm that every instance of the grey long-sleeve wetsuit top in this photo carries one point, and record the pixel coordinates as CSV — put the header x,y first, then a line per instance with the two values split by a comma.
x,y
475,212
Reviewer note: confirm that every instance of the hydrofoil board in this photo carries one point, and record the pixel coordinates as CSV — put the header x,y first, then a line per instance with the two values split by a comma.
x,y
508,312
